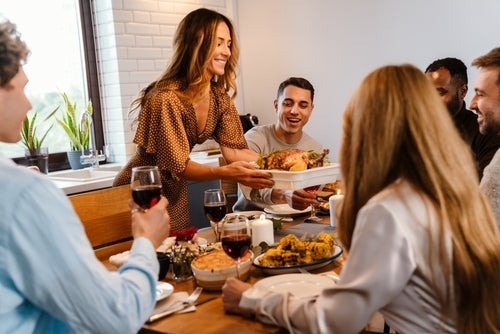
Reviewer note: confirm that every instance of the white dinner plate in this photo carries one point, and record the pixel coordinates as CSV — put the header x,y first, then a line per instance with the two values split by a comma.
x,y
299,285
163,290
337,251
285,210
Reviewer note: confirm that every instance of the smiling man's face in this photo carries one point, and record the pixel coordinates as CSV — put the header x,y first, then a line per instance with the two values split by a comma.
x,y
293,108
486,100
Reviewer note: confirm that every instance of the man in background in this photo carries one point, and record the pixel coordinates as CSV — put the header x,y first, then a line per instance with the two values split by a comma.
x,y
293,106
50,279
486,102
449,76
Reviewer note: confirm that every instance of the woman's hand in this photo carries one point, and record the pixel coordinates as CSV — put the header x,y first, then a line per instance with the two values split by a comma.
x,y
248,174
153,223
231,294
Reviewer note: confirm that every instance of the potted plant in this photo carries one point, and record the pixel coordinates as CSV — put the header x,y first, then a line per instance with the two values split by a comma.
x,y
78,130
35,153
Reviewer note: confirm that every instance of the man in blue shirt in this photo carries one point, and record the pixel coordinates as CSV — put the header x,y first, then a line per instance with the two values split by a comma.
x,y
50,279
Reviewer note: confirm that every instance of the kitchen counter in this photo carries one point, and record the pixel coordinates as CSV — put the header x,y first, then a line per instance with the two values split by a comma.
x,y
73,186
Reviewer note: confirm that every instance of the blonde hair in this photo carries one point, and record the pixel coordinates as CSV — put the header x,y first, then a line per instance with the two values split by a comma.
x,y
396,126
194,44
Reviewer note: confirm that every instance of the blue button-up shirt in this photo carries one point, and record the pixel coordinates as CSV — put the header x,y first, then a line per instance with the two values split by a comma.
x,y
50,279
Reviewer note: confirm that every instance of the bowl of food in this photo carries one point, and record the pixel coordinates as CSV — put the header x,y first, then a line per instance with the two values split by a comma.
x,y
212,269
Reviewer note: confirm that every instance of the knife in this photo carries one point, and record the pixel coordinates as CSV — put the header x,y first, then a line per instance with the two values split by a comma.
x,y
181,307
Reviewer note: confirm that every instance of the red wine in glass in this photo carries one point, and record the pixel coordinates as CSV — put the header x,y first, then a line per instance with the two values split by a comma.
x,y
146,196
236,245
215,211
236,238
214,203
146,186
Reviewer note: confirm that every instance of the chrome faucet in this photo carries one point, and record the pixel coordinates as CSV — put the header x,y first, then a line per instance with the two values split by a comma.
x,y
94,157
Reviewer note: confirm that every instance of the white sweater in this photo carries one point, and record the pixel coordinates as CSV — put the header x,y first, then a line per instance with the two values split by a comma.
x,y
388,269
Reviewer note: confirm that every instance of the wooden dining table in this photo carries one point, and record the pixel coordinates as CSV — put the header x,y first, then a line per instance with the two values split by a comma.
x,y
210,317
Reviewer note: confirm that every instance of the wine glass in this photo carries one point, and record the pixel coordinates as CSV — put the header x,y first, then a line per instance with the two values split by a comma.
x,y
236,238
313,218
214,203
146,186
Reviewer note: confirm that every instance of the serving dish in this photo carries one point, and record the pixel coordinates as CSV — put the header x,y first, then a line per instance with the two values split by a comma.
x,y
213,279
299,285
306,178
337,251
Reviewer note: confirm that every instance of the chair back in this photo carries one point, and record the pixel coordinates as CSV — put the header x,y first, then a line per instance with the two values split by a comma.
x,y
106,217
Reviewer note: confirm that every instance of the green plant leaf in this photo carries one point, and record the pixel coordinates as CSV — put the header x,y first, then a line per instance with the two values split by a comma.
x,y
29,136
78,131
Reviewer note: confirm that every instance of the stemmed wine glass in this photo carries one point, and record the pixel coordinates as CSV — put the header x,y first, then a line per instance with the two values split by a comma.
x,y
215,205
146,186
236,238
313,218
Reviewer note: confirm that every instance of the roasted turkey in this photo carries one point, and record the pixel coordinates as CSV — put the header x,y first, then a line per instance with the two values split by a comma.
x,y
292,159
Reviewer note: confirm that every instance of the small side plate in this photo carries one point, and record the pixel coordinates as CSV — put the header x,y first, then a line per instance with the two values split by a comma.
x,y
163,290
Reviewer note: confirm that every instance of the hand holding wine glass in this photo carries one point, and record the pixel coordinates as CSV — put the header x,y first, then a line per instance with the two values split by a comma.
x,y
236,238
215,205
146,186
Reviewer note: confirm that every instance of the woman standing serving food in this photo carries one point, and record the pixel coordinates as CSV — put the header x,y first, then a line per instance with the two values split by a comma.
x,y
189,104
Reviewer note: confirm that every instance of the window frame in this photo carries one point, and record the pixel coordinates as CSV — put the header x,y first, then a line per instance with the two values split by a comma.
x,y
59,161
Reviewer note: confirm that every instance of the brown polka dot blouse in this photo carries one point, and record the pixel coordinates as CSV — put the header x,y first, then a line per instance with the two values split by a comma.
x,y
166,133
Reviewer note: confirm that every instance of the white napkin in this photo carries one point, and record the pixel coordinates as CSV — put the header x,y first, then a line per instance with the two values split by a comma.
x,y
176,296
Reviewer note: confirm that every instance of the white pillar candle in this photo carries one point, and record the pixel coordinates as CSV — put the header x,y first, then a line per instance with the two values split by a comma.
x,y
334,201
262,230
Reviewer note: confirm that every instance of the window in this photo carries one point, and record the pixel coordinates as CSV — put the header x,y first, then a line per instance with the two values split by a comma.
x,y
62,59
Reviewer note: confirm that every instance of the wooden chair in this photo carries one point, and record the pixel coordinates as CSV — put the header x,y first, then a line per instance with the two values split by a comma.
x,y
106,217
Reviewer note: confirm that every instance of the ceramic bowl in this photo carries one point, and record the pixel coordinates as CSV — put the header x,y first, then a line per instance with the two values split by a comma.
x,y
211,273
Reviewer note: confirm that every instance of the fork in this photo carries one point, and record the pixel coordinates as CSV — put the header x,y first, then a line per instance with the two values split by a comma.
x,y
177,306
303,271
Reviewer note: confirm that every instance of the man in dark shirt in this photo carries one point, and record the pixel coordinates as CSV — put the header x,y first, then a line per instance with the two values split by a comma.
x,y
449,76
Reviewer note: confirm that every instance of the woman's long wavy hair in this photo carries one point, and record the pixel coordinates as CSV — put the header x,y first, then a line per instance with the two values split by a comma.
x,y
395,126
194,44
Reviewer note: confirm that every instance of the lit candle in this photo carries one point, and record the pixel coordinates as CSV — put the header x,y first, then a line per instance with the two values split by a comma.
x,y
334,201
262,230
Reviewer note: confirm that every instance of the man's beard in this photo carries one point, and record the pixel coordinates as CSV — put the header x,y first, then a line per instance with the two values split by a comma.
x,y
454,105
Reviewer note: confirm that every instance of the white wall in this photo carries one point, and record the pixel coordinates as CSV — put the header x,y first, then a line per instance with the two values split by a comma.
x,y
134,42
335,43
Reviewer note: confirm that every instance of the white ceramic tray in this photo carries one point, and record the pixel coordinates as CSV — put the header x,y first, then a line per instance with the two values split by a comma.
x,y
307,178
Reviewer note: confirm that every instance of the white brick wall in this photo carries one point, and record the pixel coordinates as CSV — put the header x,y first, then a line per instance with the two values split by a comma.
x,y
134,42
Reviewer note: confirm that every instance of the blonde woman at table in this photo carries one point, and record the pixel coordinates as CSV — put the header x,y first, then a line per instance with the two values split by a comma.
x,y
190,104
423,248
50,279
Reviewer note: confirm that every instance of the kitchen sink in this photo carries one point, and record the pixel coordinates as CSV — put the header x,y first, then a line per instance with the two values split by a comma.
x,y
86,174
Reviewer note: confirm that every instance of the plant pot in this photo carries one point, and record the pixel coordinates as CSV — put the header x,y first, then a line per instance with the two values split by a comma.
x,y
74,159
38,157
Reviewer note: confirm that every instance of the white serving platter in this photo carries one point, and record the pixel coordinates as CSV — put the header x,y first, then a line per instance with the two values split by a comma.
x,y
307,178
